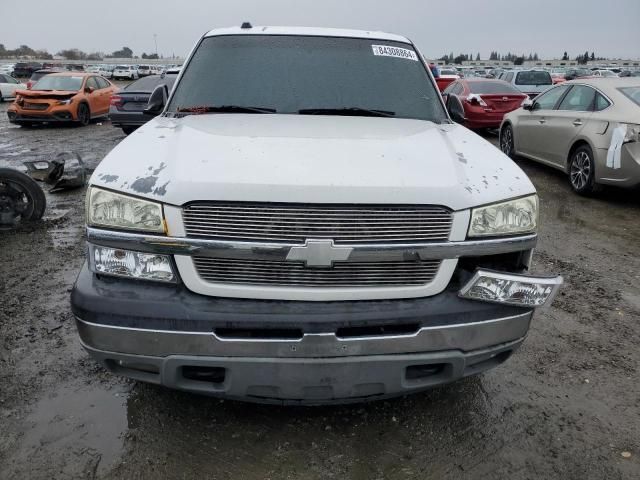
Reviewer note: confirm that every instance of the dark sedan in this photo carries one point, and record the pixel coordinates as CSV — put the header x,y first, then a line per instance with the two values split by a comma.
x,y
126,108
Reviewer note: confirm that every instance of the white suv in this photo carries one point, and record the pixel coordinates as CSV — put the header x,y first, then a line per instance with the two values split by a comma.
x,y
303,223
125,72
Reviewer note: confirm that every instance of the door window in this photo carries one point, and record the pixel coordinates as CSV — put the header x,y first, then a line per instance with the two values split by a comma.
x,y
579,99
601,102
548,100
102,83
91,82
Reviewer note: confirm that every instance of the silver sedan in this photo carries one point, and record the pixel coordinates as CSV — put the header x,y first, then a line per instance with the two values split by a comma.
x,y
588,128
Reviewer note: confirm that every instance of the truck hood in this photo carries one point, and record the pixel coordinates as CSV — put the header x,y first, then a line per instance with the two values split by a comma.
x,y
310,159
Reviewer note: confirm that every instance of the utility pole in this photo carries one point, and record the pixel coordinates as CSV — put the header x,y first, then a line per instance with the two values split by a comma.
x,y
155,40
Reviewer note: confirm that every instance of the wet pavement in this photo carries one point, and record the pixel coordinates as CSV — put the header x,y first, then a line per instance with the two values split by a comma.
x,y
566,405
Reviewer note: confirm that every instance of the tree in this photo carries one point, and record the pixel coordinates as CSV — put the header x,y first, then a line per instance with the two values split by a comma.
x,y
478,57
565,56
72,54
126,52
535,57
95,56
518,60
593,56
44,55
151,56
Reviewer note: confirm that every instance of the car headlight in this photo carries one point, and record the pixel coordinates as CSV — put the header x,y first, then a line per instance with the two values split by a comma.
x,y
64,102
513,217
131,264
114,210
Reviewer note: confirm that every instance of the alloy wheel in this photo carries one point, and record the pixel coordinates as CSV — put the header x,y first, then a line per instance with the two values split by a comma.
x,y
580,170
506,141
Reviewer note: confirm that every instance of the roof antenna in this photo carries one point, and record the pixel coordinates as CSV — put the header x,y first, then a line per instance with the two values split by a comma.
x,y
246,25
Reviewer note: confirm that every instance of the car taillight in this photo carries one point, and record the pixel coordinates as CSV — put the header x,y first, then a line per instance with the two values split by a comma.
x,y
116,101
476,99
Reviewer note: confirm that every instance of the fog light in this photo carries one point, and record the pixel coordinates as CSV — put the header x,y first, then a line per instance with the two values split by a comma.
x,y
520,290
125,263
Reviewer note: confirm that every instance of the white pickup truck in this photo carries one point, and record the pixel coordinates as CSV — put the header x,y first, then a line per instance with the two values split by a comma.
x,y
303,222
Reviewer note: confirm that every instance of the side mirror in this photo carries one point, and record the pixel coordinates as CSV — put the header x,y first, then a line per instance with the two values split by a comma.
x,y
89,90
157,101
527,104
455,108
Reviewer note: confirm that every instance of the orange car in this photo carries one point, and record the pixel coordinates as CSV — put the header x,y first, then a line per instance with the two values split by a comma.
x,y
63,97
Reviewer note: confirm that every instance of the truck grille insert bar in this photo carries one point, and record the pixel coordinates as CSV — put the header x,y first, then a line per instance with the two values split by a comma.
x,y
296,274
294,223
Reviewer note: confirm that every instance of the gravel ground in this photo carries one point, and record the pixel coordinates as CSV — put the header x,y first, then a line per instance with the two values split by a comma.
x,y
566,406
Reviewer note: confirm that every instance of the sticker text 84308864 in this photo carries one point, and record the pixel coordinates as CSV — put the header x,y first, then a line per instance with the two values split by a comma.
x,y
386,51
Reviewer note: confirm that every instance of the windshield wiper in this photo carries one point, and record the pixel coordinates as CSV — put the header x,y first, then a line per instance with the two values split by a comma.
x,y
353,111
200,109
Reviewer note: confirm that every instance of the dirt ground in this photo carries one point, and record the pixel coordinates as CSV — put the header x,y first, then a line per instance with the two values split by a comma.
x,y
565,406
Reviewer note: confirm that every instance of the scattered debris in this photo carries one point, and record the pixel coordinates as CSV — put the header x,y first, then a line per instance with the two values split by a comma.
x,y
64,172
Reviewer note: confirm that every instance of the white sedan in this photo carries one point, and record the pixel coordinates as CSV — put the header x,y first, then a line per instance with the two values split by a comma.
x,y
8,87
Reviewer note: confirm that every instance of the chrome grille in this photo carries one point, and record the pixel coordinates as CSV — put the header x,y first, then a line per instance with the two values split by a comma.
x,y
295,223
296,274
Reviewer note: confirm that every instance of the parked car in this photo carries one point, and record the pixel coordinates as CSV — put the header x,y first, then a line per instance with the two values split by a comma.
x,y
604,73
8,87
7,69
25,69
62,97
575,73
127,106
485,101
125,72
144,70
93,69
38,74
588,128
303,223
530,82
107,71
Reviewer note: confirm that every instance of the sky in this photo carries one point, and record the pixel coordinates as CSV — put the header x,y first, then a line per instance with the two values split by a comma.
x,y
548,27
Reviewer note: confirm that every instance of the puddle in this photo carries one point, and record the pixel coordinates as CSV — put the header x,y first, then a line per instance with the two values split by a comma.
x,y
76,427
632,298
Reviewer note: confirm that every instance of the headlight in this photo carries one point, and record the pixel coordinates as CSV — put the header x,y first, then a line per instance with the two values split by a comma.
x,y
64,102
125,263
114,210
506,218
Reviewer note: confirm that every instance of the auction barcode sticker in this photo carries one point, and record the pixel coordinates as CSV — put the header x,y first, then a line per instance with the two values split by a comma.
x,y
386,51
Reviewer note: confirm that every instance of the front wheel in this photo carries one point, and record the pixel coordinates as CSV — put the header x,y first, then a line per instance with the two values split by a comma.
x,y
506,141
582,171
129,130
21,198
84,115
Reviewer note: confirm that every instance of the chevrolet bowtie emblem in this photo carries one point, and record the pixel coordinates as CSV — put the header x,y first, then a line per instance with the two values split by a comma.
x,y
319,253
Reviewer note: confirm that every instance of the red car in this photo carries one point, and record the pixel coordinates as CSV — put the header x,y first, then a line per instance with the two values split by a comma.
x,y
486,101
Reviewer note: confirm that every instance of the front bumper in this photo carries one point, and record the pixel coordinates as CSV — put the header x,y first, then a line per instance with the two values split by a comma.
x,y
290,351
51,115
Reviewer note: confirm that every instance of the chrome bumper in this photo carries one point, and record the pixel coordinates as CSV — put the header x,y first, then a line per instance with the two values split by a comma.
x,y
163,343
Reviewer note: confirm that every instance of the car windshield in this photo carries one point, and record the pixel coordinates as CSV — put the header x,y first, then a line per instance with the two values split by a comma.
x,y
122,67
533,78
633,93
308,75
147,84
53,82
607,73
493,87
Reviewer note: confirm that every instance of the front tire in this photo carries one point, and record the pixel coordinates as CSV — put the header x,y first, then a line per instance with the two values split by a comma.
x,y
129,130
507,144
84,114
582,171
20,198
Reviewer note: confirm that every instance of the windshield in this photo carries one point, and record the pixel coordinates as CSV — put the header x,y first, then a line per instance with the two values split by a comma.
x,y
533,78
52,82
607,73
319,75
122,67
633,93
493,87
